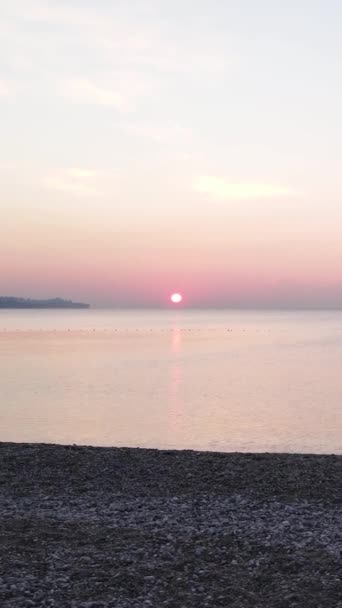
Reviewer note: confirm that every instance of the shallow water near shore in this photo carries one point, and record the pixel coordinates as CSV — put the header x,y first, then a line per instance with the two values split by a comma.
x,y
206,380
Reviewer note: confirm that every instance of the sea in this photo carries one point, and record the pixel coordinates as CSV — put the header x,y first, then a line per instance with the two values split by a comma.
x,y
252,381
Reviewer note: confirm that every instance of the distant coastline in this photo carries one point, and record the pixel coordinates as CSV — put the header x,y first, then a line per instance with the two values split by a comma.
x,y
12,302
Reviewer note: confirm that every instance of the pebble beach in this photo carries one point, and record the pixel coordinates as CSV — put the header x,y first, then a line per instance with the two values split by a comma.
x,y
85,527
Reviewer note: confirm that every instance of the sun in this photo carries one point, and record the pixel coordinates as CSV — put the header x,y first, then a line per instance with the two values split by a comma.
x,y
176,298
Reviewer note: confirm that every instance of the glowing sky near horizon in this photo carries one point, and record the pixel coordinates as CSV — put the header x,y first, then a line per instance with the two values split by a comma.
x,y
148,145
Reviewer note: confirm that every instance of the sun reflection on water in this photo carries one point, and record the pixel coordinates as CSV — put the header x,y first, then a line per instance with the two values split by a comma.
x,y
175,400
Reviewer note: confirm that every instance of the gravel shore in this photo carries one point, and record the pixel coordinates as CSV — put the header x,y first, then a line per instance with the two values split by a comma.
x,y
85,527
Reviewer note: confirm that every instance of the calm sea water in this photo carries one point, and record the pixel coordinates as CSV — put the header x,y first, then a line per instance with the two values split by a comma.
x,y
247,381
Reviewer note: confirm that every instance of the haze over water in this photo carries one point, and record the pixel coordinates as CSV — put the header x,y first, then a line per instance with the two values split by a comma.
x,y
208,380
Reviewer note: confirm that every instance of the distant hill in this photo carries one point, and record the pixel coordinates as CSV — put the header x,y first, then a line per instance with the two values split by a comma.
x,y
11,302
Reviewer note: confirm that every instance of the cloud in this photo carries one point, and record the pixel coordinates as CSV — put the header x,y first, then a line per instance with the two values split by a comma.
x,y
7,166
106,55
73,181
61,13
4,89
163,134
117,37
81,173
223,189
85,91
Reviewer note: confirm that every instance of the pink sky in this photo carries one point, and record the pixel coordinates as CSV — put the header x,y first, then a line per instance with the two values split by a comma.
x,y
212,259
172,150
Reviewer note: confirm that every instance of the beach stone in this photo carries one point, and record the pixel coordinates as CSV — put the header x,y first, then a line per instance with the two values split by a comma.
x,y
84,527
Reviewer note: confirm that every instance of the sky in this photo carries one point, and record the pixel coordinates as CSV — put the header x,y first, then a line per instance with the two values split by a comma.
x,y
153,146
